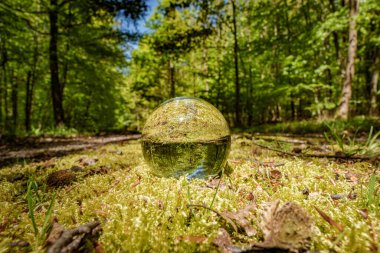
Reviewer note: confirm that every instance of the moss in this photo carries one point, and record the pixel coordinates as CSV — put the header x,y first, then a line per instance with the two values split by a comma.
x,y
141,212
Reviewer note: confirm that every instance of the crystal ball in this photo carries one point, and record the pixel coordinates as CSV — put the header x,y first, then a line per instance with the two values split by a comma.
x,y
186,137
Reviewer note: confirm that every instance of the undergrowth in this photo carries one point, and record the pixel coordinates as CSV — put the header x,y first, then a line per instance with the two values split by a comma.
x,y
143,213
357,124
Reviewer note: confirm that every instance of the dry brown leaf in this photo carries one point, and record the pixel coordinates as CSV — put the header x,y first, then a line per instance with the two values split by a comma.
x,y
338,196
275,174
242,219
351,177
98,248
223,240
327,218
138,181
363,212
87,161
48,164
216,183
286,227
55,232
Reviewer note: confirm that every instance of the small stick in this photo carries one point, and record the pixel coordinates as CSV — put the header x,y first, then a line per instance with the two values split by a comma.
x,y
67,243
316,155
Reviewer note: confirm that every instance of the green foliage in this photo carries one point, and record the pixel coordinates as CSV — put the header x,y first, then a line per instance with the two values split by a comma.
x,y
350,145
91,37
34,201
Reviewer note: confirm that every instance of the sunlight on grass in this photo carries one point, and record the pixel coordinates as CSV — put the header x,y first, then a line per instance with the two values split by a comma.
x,y
141,212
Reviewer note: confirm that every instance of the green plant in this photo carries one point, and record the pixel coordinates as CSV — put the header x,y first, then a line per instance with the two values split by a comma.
x,y
372,195
34,200
352,145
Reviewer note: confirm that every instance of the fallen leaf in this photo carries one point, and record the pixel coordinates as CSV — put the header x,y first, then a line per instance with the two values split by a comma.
x,y
77,169
87,161
214,183
275,174
242,219
55,232
363,212
352,195
138,181
351,177
48,164
327,218
256,151
192,238
337,196
98,247
286,227
99,170
223,240
332,181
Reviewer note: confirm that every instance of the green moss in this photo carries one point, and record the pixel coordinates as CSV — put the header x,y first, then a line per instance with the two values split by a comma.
x,y
141,212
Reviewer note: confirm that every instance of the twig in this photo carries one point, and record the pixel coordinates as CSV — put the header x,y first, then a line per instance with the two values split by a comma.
x,y
268,164
69,241
329,219
316,155
227,219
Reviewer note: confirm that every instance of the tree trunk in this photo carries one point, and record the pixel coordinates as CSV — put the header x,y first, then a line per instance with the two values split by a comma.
x,y
343,109
56,90
14,96
171,79
28,102
237,84
374,81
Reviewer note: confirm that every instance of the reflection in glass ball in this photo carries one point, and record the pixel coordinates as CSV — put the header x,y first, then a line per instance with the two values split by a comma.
x,y
186,136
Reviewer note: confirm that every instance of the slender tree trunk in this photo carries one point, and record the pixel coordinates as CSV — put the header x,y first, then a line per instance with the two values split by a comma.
x,y
28,102
335,36
171,79
14,96
374,82
30,83
343,109
292,107
3,80
5,97
205,66
56,89
237,83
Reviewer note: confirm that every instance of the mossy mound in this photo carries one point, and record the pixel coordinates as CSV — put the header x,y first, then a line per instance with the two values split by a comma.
x,y
143,213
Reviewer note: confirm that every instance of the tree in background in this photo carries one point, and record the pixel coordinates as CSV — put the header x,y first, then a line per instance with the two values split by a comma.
x,y
268,61
343,109
74,65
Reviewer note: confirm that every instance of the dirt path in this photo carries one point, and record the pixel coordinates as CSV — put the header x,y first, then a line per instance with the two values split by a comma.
x,y
45,148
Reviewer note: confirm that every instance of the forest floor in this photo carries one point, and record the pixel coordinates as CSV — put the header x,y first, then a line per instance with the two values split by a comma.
x,y
99,190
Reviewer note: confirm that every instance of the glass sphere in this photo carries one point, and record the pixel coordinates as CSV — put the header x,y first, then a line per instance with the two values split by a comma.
x,y
186,137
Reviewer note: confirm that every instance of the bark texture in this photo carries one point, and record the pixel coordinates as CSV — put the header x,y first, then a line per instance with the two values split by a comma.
x,y
373,111
56,90
344,104
236,62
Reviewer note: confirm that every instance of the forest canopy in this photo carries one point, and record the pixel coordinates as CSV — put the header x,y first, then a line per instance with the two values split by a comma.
x,y
67,63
